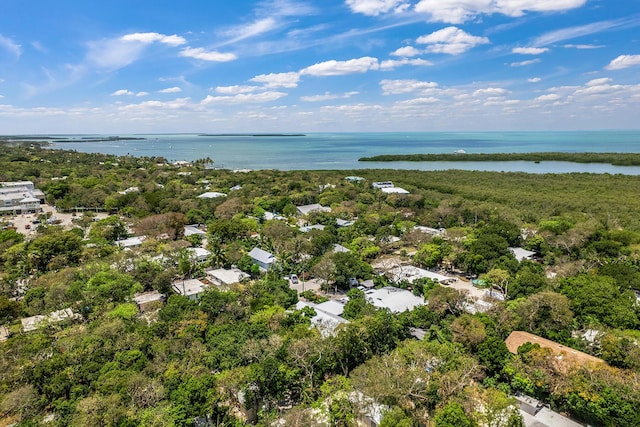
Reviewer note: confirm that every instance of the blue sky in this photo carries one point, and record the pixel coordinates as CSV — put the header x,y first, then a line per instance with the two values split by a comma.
x,y
77,66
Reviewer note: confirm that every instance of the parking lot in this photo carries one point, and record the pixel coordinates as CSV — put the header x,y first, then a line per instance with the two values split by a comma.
x,y
24,222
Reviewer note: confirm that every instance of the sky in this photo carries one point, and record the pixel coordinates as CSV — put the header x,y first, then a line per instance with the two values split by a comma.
x,y
157,66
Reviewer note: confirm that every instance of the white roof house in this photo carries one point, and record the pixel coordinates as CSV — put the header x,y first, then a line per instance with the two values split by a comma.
x,y
382,184
190,288
308,228
226,277
395,299
430,230
264,259
211,195
521,254
340,248
269,216
307,209
190,230
536,414
35,322
394,190
325,321
199,254
411,273
148,299
131,242
344,222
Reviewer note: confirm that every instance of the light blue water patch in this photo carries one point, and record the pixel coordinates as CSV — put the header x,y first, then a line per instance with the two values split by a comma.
x,y
316,151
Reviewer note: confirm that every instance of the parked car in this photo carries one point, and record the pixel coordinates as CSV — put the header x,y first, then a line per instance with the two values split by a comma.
x,y
27,226
294,279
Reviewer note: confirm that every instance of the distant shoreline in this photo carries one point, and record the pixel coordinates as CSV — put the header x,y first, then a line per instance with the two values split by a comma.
x,y
615,159
252,134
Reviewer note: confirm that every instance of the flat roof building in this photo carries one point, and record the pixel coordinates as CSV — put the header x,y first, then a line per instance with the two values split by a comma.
x,y
190,288
395,299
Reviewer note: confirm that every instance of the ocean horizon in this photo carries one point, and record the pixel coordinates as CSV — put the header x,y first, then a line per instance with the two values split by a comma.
x,y
341,151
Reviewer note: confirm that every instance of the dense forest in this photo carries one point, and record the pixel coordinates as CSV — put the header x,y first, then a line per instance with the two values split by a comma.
x,y
247,356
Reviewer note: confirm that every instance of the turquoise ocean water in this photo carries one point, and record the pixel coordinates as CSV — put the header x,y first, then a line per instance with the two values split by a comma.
x,y
315,151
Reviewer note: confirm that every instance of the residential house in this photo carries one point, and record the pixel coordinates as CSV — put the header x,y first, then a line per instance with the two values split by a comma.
x,y
327,317
382,184
35,322
521,254
395,299
307,209
262,258
410,273
224,278
537,414
394,190
308,228
211,195
131,242
340,248
149,300
191,230
344,222
190,288
354,179
388,187
269,216
429,230
199,254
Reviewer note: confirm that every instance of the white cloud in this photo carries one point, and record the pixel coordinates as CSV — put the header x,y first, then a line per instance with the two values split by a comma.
x,y
244,98
583,46
406,52
327,97
451,40
624,61
569,33
418,101
141,94
176,104
148,38
524,63
549,97
459,11
338,68
253,29
391,64
598,82
235,90
529,50
174,89
276,80
119,52
377,7
490,91
207,55
396,87
122,92
534,79
10,45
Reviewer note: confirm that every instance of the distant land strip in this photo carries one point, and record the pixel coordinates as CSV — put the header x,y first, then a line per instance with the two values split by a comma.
x,y
615,159
252,134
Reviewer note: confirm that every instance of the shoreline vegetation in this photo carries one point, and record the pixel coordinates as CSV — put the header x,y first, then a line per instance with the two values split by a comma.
x,y
615,159
43,140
